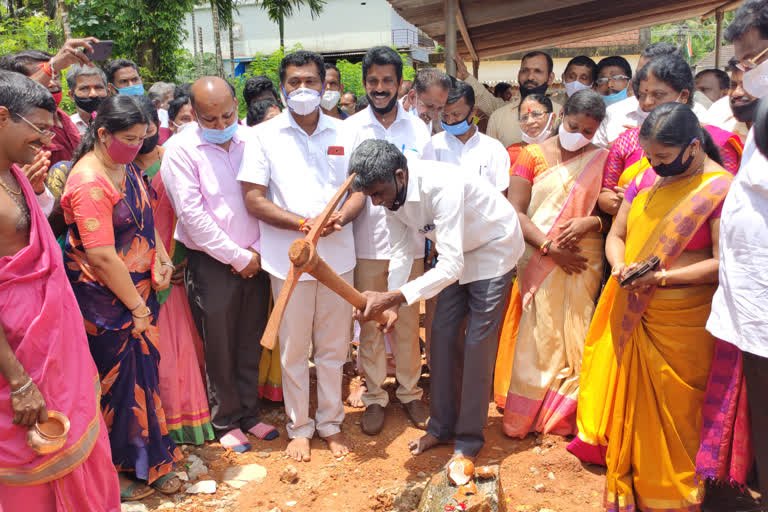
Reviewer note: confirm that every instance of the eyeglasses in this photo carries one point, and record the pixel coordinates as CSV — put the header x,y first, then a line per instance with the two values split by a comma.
x,y
750,64
614,78
47,135
535,115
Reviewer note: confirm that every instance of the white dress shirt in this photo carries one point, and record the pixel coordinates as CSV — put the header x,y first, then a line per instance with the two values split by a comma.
x,y
741,301
409,134
481,156
623,116
302,173
81,125
475,229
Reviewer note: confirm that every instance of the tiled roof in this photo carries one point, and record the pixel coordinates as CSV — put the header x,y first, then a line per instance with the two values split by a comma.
x,y
630,37
708,61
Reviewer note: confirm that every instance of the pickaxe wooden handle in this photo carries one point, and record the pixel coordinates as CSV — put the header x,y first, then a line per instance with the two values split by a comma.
x,y
304,258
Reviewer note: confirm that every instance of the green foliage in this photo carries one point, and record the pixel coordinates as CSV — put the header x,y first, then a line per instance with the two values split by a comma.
x,y
150,32
279,10
701,33
25,32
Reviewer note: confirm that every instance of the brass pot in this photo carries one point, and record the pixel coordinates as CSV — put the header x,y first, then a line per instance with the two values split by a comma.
x,y
50,436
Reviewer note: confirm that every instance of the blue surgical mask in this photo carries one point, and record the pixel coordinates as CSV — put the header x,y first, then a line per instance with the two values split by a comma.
x,y
219,136
132,90
615,98
457,129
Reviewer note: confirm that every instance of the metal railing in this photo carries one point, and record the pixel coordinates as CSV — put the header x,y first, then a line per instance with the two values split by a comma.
x,y
402,37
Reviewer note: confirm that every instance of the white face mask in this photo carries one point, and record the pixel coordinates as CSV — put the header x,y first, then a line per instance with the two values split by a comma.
x,y
303,101
572,141
572,88
330,99
541,137
755,81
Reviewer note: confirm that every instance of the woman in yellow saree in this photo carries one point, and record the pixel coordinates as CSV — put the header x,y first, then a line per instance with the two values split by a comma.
x,y
551,304
656,322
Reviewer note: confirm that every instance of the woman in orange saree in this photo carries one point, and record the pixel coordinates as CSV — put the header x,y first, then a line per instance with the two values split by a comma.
x,y
551,304
655,323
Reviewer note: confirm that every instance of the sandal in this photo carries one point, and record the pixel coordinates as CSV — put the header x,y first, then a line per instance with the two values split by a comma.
x,y
235,440
160,482
264,432
127,493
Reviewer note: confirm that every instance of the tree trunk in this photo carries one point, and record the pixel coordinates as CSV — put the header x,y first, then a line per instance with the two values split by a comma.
x,y
281,24
217,40
198,66
232,48
11,9
65,19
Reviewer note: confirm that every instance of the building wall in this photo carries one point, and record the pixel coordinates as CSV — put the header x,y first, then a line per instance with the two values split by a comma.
x,y
343,25
493,71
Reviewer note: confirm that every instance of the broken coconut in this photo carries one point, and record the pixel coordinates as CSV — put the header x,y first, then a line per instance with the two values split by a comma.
x,y
460,471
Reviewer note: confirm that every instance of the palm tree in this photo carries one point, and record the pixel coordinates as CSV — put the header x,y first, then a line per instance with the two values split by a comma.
x,y
278,10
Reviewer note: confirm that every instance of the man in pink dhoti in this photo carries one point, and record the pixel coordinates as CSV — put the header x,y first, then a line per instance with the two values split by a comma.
x,y
45,363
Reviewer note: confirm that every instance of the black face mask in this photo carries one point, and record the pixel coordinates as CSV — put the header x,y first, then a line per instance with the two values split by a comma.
x,y
676,167
149,144
399,195
745,113
88,104
385,110
539,89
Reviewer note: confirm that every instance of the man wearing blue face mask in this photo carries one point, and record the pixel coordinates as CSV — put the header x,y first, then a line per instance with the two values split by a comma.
x,y
228,293
123,78
462,143
613,76
289,172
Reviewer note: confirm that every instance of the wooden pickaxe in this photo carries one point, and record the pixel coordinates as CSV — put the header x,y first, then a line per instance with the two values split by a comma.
x,y
304,258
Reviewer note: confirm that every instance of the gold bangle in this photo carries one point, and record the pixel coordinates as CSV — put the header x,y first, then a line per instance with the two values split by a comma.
x,y
663,277
148,313
600,220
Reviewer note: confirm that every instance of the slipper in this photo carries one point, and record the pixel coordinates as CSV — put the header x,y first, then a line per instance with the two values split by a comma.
x,y
127,493
235,440
158,484
264,432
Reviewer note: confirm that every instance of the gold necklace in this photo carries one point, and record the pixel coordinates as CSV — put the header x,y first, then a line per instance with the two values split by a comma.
x,y
8,188
663,181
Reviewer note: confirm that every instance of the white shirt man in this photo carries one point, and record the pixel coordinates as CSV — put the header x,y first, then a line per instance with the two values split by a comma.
x,y
81,125
294,166
481,156
478,236
386,119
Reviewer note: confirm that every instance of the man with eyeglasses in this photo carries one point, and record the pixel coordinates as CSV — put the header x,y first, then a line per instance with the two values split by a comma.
x,y
741,300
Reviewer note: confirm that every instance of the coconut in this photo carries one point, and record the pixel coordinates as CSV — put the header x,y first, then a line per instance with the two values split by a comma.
x,y
460,471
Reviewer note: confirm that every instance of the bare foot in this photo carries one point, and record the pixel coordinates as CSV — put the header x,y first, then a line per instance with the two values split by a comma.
x,y
355,397
422,444
338,444
298,449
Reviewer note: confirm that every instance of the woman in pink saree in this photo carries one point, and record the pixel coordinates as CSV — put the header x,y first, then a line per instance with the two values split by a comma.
x,y
554,187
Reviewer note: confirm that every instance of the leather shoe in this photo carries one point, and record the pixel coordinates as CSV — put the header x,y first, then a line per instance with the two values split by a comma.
x,y
373,419
418,412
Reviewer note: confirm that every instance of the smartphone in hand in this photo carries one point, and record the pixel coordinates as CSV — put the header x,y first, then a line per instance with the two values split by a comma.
x,y
101,50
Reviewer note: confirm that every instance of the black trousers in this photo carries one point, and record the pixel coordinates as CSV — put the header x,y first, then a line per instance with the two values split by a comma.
x,y
756,375
230,313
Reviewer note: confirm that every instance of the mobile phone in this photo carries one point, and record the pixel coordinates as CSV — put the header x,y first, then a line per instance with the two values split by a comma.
x,y
642,269
101,50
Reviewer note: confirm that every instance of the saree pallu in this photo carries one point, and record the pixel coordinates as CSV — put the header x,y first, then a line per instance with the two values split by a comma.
x,y
652,408
127,363
43,327
726,452
539,356
182,391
